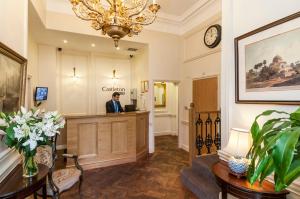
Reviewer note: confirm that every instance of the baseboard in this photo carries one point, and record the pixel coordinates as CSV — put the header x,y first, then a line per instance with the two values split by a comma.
x,y
8,162
184,147
174,133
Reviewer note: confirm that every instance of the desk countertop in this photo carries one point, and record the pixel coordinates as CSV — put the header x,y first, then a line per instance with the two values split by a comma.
x,y
124,114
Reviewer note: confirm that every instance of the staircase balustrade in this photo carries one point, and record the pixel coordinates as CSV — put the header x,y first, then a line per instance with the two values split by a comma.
x,y
205,132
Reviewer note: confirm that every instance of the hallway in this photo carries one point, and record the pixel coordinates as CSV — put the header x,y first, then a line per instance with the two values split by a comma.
x,y
155,178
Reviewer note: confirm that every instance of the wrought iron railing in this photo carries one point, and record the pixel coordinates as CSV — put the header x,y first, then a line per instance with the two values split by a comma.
x,y
205,132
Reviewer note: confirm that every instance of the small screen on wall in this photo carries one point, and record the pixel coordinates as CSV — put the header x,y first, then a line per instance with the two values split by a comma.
x,y
41,93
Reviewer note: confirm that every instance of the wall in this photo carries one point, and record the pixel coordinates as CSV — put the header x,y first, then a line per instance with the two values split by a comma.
x,y
32,70
238,18
15,30
140,72
166,119
13,34
198,62
83,93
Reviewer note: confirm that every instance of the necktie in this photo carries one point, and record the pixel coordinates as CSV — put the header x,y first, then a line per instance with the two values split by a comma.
x,y
116,107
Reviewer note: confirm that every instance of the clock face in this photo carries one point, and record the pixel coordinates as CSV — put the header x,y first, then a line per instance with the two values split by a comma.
x,y
212,36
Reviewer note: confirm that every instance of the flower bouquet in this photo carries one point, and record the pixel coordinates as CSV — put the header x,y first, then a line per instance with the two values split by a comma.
x,y
26,130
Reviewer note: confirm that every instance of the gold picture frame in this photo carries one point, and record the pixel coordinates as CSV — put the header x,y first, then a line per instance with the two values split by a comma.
x,y
13,69
144,86
160,94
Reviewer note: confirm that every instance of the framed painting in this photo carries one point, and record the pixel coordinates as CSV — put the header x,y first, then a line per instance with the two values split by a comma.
x,y
267,63
144,86
12,79
160,92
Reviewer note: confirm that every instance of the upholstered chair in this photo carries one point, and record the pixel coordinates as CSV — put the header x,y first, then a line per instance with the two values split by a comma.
x,y
59,180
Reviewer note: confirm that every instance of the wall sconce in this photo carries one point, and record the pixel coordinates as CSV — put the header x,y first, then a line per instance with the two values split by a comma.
x,y
114,78
114,74
74,77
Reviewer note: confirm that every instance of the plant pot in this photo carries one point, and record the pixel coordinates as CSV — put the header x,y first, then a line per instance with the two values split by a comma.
x,y
30,167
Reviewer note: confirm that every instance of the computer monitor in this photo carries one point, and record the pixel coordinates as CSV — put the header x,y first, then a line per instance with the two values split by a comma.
x,y
130,108
41,93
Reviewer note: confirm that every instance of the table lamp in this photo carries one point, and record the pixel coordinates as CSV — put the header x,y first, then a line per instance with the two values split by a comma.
x,y
238,145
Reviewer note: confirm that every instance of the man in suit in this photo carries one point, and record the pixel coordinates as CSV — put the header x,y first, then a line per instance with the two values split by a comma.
x,y
114,105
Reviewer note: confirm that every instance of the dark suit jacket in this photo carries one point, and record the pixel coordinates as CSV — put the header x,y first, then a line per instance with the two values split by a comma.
x,y
110,108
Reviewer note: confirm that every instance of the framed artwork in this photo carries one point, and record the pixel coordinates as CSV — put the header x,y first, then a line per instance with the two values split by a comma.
x,y
267,62
160,92
144,86
12,79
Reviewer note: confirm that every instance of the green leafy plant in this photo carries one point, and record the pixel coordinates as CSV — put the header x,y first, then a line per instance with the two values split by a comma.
x,y
275,148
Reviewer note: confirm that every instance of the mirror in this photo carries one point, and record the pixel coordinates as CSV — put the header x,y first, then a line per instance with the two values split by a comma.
x,y
160,89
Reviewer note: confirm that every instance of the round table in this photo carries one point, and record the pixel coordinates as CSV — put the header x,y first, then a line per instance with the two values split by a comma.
x,y
16,186
241,188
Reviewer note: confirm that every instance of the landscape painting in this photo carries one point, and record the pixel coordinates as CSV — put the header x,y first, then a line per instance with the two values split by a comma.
x,y
12,80
273,63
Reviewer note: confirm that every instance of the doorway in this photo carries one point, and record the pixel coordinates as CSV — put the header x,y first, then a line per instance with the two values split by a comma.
x,y
165,110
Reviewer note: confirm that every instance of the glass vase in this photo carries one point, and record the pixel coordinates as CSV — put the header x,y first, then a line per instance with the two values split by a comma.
x,y
30,167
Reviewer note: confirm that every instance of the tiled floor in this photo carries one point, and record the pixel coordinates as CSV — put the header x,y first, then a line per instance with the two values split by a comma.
x,y
157,177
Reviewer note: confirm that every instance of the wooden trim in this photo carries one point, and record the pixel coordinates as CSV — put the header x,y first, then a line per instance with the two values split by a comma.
x,y
236,51
192,133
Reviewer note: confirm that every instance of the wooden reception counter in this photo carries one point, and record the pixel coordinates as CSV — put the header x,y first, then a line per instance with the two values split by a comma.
x,y
109,139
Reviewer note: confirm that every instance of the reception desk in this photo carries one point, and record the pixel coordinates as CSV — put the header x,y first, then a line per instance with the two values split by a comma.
x,y
109,139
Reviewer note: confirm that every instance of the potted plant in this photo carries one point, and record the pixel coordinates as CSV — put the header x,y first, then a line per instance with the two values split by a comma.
x,y
275,148
26,130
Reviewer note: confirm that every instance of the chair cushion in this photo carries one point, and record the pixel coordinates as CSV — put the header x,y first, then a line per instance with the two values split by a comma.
x,y
64,179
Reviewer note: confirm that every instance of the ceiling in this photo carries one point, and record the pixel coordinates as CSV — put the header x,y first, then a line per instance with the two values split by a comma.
x,y
76,41
169,7
176,7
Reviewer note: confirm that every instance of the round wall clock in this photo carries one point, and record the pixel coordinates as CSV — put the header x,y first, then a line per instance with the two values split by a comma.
x,y
212,36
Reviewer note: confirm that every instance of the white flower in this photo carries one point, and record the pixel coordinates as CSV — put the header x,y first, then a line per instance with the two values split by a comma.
x,y
2,132
32,142
21,131
23,110
19,120
3,123
49,129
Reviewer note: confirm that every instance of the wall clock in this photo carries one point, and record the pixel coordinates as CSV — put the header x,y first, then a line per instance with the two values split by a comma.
x,y
212,36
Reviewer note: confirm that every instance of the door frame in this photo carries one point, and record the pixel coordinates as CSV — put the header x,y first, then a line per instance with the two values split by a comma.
x,y
177,83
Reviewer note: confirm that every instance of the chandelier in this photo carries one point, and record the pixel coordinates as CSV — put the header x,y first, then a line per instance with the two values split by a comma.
x,y
117,18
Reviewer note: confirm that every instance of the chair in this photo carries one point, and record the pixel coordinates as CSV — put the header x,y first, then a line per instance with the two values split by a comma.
x,y
59,180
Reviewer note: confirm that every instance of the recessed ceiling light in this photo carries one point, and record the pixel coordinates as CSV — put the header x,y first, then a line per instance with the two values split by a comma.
x,y
65,41
93,45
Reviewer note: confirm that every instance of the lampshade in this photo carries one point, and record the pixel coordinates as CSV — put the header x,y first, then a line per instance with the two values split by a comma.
x,y
239,142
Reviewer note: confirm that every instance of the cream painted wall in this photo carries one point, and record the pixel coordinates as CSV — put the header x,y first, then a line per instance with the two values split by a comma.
x,y
198,62
13,33
14,25
166,119
32,70
140,72
238,18
82,94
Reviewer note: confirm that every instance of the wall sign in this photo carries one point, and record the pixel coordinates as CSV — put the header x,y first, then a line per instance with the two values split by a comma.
x,y
122,91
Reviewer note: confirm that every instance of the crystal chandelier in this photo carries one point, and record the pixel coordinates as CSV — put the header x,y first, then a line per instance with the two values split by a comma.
x,y
117,18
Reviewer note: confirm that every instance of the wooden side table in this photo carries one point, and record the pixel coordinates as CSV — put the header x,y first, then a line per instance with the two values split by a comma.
x,y
241,188
17,187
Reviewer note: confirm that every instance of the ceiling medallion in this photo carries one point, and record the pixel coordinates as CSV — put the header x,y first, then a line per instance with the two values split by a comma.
x,y
117,18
